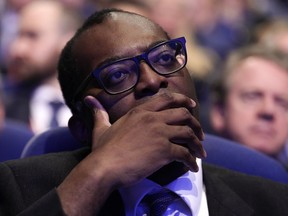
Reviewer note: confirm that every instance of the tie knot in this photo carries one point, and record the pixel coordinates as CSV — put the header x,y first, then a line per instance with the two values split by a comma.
x,y
158,201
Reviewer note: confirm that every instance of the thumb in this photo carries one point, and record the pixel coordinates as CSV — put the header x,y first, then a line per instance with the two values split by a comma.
x,y
101,117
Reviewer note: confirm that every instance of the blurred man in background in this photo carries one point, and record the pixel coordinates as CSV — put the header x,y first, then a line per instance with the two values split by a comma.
x,y
13,135
250,102
9,17
33,94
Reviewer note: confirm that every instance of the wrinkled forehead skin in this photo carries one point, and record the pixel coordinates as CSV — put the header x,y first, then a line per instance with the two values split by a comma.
x,y
123,35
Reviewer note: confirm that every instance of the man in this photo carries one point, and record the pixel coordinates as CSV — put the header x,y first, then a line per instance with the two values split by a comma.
x,y
33,90
251,101
139,115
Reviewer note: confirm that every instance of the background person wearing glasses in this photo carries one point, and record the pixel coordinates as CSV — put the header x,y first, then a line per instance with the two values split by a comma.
x,y
139,115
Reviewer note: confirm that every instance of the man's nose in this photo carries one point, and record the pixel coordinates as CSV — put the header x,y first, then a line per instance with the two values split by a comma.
x,y
149,81
267,109
18,48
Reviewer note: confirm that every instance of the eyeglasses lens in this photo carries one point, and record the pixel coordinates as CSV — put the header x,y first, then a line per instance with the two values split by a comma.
x,y
168,58
119,76
165,59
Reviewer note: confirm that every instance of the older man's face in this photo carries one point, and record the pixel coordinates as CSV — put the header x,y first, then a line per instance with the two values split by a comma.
x,y
256,112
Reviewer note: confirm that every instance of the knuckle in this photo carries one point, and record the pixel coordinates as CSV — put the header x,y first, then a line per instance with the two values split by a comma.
x,y
185,113
189,132
186,154
135,111
149,118
141,113
169,98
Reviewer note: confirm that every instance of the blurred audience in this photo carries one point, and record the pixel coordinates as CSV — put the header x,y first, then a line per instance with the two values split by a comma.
x,y
32,91
224,25
13,135
250,100
84,7
270,8
9,16
273,34
136,6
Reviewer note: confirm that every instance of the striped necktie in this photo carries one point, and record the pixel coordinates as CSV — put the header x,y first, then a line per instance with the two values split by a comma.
x,y
157,202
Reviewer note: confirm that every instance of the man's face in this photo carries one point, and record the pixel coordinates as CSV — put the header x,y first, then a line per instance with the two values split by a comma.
x,y
256,111
126,36
35,51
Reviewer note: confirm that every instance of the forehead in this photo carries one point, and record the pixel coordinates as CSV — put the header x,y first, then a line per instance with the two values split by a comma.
x,y
121,35
259,72
40,16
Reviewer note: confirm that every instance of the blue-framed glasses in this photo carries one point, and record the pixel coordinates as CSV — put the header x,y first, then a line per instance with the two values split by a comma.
x,y
122,75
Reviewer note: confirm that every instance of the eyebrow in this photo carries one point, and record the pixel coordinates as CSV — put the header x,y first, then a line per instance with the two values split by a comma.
x,y
115,58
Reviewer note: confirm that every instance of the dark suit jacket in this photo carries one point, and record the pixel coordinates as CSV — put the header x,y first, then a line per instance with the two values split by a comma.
x,y
28,188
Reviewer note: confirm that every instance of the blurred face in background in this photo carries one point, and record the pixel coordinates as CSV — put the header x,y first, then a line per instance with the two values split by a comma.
x,y
172,15
34,53
256,108
16,4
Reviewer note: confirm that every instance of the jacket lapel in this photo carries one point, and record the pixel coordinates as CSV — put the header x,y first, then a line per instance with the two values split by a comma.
x,y
222,201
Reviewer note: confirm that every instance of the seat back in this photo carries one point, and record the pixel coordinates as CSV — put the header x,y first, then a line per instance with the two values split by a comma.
x,y
13,138
220,151
53,140
234,156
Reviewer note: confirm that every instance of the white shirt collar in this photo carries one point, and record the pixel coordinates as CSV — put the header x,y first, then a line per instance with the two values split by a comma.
x,y
188,186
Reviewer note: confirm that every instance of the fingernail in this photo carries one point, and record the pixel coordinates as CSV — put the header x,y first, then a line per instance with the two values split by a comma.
x,y
204,153
202,136
193,103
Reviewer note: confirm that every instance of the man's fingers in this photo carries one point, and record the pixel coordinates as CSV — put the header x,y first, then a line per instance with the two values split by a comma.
x,y
184,136
100,114
183,155
101,117
182,116
168,100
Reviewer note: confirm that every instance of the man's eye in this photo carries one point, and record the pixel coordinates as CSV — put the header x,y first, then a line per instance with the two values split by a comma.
x,y
29,35
251,97
165,58
282,103
116,76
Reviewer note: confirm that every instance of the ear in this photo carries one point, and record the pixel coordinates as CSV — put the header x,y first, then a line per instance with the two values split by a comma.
x,y
217,117
78,128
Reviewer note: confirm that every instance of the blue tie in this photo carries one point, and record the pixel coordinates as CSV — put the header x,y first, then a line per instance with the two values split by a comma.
x,y
157,202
